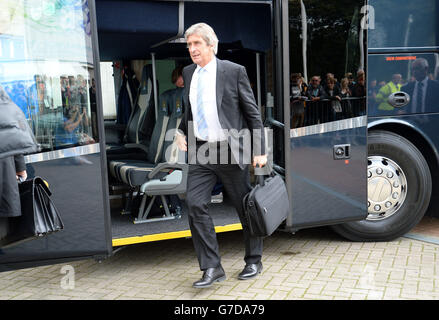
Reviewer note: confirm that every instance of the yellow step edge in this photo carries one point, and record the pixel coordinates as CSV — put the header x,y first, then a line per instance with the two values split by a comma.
x,y
169,235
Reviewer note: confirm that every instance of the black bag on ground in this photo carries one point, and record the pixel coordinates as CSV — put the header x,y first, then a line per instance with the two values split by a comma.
x,y
267,205
39,216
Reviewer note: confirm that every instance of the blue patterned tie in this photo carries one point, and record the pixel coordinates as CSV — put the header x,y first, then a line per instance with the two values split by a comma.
x,y
201,116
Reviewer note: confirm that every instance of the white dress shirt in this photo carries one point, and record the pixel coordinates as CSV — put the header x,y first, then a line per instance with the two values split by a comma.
x,y
210,107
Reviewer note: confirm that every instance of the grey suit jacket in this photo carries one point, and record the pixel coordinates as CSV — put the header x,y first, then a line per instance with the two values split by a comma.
x,y
236,105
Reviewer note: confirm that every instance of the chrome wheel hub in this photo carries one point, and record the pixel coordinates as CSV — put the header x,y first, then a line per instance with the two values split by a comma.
x,y
386,187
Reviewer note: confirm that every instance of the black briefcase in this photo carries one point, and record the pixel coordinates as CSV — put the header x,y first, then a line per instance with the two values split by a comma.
x,y
39,216
267,205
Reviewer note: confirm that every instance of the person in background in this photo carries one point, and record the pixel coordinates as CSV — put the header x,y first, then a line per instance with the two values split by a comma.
x,y
333,94
330,77
315,90
345,93
75,119
12,168
359,91
177,77
372,91
297,100
424,92
351,81
392,86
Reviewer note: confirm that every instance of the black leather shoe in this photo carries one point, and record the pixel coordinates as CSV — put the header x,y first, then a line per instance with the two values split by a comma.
x,y
210,276
250,270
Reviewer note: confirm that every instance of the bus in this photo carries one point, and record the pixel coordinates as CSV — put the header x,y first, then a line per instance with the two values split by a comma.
x,y
349,126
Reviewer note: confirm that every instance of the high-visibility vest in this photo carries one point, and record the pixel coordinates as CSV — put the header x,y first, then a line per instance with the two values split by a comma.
x,y
384,93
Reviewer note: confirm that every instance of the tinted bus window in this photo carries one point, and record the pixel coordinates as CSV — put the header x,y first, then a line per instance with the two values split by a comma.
x,y
407,23
327,61
53,84
414,74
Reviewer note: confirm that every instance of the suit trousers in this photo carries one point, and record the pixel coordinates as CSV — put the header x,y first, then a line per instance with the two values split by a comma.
x,y
236,183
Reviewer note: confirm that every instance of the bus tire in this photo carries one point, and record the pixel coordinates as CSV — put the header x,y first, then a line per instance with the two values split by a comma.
x,y
392,150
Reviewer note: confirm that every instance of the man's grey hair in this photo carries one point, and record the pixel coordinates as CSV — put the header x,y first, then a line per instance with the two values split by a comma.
x,y
204,31
421,62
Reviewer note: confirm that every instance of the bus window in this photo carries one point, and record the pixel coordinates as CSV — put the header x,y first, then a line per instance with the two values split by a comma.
x,y
414,74
47,67
326,62
413,24
51,83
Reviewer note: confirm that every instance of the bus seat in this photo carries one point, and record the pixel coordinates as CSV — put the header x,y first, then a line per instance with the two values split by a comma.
x,y
140,124
133,170
172,184
136,173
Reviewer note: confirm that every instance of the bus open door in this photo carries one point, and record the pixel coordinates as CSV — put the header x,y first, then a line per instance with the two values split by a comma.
x,y
48,63
52,70
321,68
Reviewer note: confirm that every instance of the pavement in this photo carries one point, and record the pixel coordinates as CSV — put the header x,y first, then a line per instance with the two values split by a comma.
x,y
311,264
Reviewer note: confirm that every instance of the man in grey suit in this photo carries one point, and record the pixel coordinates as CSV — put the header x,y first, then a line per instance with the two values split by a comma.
x,y
220,107
424,92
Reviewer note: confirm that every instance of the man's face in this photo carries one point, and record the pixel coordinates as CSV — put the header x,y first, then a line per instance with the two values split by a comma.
x,y
201,53
397,78
41,84
315,82
179,83
419,71
295,81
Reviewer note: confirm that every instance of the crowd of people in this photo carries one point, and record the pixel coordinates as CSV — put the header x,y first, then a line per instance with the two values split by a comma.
x,y
326,100
75,103
329,99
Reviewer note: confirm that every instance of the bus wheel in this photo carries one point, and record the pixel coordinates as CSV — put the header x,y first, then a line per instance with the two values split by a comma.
x,y
399,190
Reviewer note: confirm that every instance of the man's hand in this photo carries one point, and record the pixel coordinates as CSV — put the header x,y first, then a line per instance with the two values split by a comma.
x,y
181,142
260,160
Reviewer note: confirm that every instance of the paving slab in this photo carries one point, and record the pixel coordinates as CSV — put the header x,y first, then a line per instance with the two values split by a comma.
x,y
311,264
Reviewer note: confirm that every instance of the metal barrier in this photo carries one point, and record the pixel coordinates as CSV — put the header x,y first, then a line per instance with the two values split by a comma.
x,y
305,112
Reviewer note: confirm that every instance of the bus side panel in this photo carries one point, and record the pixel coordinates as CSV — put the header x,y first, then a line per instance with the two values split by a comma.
x,y
77,192
327,110
324,190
